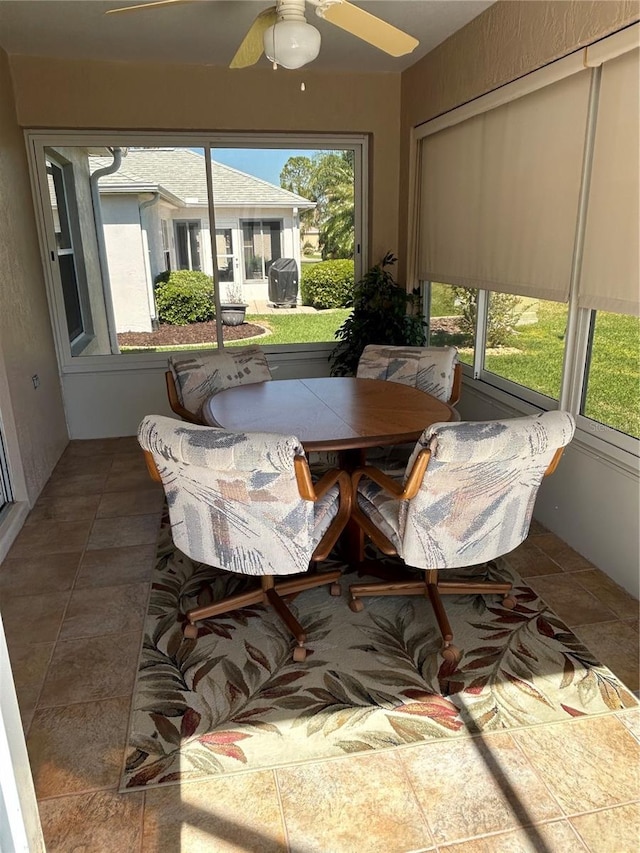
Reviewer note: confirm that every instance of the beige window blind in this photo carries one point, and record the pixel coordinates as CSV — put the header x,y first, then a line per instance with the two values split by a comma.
x,y
500,192
610,276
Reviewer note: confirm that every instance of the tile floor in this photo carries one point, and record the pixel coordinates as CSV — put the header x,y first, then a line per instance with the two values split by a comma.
x,y
72,594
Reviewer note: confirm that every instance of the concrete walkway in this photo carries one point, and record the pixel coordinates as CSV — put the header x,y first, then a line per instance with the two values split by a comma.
x,y
257,306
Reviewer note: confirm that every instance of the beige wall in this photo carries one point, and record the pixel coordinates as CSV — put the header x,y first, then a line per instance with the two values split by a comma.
x,y
509,39
71,94
33,420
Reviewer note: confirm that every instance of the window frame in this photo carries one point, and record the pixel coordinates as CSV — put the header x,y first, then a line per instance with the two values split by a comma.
x,y
37,141
77,342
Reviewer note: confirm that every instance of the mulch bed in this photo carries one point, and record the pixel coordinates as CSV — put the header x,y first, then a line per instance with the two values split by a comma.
x,y
194,333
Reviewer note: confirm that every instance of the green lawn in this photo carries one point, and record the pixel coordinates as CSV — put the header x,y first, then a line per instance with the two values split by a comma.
x,y
298,328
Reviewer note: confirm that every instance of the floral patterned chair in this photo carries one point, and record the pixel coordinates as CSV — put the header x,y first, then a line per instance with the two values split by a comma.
x,y
467,498
191,381
245,503
435,370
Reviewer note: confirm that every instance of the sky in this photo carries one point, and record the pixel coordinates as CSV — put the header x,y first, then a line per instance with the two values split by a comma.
x,y
265,163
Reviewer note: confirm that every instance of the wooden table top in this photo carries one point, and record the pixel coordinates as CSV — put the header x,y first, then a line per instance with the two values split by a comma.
x,y
337,413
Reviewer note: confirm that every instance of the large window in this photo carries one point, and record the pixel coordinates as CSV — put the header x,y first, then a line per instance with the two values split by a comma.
x,y
527,204
612,387
151,220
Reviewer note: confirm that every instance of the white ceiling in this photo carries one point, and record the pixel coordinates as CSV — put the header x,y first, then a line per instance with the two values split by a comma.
x,y
209,31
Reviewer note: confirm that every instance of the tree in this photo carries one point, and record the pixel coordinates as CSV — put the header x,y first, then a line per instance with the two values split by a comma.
x,y
328,179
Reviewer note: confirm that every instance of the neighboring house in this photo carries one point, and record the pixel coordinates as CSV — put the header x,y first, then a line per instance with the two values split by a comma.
x,y
155,217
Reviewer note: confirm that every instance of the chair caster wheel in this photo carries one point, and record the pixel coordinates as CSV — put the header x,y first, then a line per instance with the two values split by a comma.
x,y
451,654
191,631
335,589
509,602
299,654
356,605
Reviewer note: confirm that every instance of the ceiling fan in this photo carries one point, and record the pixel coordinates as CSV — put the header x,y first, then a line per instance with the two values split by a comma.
x,y
283,34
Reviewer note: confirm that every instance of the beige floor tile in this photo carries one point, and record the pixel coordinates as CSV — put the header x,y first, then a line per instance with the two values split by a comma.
x,y
568,559
51,537
529,561
38,575
239,813
70,508
78,748
107,610
73,465
29,663
33,618
101,821
91,668
88,447
612,830
631,719
587,764
120,532
124,481
27,698
141,502
615,644
571,602
61,485
476,786
556,837
535,528
124,463
623,604
369,799
115,566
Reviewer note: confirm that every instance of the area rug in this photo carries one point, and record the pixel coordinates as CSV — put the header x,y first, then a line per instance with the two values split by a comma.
x,y
234,700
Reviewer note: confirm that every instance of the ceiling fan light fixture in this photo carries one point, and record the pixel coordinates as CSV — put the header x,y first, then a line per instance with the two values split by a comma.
x,y
291,44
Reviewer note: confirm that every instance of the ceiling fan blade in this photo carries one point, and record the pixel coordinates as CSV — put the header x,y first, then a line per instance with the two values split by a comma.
x,y
252,47
367,27
146,6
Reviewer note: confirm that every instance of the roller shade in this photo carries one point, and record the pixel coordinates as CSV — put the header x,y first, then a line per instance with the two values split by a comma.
x,y
500,192
610,276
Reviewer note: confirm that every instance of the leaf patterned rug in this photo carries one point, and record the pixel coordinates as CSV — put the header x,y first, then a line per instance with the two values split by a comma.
x,y
234,700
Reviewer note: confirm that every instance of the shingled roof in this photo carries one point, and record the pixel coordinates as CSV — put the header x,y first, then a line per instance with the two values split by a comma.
x,y
181,173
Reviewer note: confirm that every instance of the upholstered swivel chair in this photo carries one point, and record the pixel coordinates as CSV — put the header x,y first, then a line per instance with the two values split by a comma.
x,y
466,499
192,380
245,503
435,370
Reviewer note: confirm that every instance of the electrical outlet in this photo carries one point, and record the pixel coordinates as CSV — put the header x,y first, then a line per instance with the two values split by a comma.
x,y
36,380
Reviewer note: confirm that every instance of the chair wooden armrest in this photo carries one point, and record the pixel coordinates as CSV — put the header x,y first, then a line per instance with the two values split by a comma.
x,y
176,405
391,486
457,385
311,491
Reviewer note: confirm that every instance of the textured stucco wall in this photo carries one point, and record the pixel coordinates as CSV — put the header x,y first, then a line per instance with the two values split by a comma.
x,y
34,419
509,39
123,95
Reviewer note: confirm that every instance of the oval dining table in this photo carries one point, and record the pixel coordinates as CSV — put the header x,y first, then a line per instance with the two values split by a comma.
x,y
341,413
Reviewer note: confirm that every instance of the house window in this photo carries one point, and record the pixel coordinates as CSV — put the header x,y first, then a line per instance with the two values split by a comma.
x,y
64,208
452,318
611,392
166,246
188,245
525,342
262,244
145,211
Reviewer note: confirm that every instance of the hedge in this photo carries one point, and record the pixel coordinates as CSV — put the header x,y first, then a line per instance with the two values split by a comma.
x,y
327,284
183,297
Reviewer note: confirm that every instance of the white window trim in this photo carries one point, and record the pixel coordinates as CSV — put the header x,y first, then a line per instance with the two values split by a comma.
x,y
37,140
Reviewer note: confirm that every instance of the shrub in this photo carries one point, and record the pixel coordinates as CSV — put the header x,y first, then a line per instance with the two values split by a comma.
x,y
505,310
185,297
327,284
383,313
